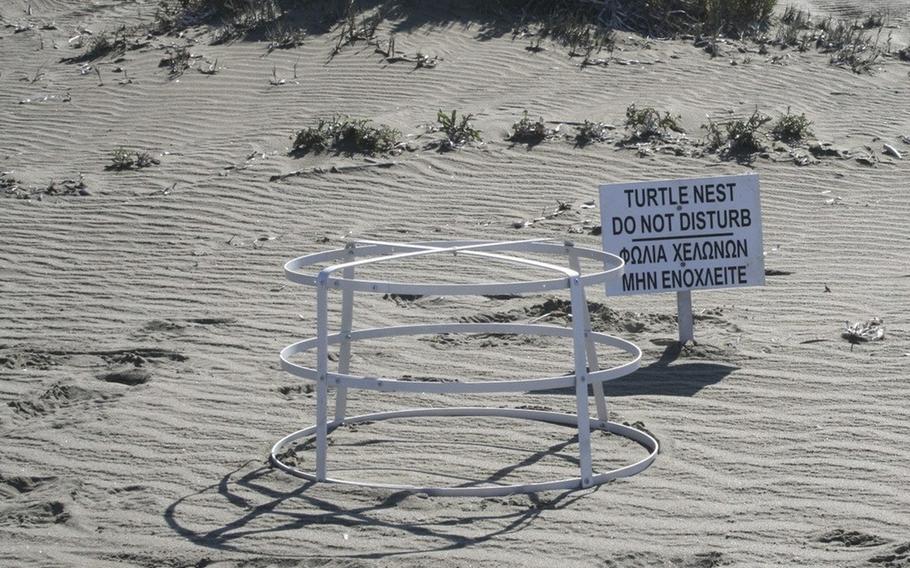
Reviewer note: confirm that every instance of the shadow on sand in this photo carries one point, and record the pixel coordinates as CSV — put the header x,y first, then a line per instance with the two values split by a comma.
x,y
259,508
660,378
302,508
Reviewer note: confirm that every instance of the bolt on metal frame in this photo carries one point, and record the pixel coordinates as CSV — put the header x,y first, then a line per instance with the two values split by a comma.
x,y
584,340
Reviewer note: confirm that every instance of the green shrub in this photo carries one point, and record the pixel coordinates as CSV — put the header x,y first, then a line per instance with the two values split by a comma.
x,y
458,132
591,132
236,17
350,31
736,138
859,57
106,43
177,60
709,17
874,20
585,26
791,32
647,122
283,36
792,128
527,131
342,134
122,159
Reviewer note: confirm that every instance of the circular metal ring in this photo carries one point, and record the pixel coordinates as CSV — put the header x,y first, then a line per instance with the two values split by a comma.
x,y
378,252
505,385
644,439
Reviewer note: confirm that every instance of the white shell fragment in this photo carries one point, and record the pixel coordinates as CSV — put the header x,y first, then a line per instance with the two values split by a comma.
x,y
871,330
889,149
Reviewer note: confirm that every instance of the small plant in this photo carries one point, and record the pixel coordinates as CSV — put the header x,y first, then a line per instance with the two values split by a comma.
x,y
122,159
647,123
10,187
534,46
575,30
112,43
105,43
790,32
275,81
282,36
346,135
366,139
314,138
424,61
736,138
795,17
836,35
792,128
238,17
874,20
145,160
530,132
859,57
734,18
458,132
350,32
211,68
177,60
591,132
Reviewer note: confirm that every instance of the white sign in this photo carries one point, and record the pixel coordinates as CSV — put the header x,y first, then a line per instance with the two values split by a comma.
x,y
684,234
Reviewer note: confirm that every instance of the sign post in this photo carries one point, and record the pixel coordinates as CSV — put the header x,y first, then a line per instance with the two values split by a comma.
x,y
684,317
682,235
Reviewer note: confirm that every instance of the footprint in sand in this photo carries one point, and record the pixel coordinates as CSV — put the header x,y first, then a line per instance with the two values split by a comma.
x,y
15,485
138,358
403,300
34,514
20,506
212,321
129,377
291,390
56,397
140,355
27,359
851,538
897,558
644,559
163,326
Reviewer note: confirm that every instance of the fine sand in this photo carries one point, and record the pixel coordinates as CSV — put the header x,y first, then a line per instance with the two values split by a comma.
x,y
140,324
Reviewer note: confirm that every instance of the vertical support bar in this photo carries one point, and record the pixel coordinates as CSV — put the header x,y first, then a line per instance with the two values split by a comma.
x,y
322,368
344,355
684,316
590,347
581,381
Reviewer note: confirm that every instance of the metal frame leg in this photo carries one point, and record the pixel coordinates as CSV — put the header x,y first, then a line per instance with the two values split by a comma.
x,y
581,380
322,368
344,355
590,347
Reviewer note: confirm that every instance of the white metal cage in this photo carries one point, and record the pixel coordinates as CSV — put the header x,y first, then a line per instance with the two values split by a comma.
x,y
339,275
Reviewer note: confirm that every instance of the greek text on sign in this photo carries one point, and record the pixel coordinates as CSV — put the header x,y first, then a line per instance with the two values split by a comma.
x,y
684,234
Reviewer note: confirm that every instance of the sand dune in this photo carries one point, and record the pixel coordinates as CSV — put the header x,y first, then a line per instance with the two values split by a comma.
x,y
782,444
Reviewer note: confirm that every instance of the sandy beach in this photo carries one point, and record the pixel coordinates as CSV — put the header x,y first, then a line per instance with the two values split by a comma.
x,y
142,309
